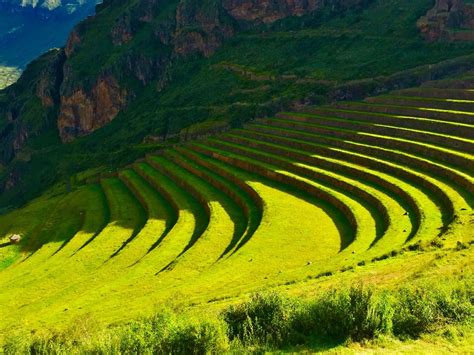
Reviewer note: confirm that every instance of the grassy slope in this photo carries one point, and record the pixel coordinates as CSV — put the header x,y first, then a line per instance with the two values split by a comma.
x,y
297,238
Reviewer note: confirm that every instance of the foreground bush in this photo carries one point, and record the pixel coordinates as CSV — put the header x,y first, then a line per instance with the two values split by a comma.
x,y
420,310
267,321
264,319
165,333
355,313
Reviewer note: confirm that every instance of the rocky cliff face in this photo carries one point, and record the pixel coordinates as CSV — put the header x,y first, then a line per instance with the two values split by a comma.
x,y
31,104
193,28
256,11
446,16
142,41
83,112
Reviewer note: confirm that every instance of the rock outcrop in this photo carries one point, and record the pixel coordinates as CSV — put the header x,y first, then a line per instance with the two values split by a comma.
x,y
194,28
143,41
32,104
448,20
84,112
199,29
257,11
269,11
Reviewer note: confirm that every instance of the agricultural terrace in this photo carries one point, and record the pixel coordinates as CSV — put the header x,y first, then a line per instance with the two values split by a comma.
x,y
281,200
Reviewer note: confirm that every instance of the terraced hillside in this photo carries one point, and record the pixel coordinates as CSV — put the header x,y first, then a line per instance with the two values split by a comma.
x,y
301,195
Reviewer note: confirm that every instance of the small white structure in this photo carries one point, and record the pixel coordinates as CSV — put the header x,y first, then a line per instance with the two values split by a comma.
x,y
15,239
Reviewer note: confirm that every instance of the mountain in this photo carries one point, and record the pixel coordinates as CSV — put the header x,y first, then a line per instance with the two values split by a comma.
x,y
139,72
29,28
68,6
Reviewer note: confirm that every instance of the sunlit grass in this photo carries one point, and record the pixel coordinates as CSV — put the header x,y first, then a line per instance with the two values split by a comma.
x,y
268,205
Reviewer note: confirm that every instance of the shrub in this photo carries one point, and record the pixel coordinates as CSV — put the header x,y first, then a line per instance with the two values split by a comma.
x,y
341,314
165,333
147,335
267,321
422,309
460,246
200,338
454,306
415,313
264,319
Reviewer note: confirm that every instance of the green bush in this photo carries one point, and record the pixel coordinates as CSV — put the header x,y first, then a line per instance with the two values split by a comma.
x,y
415,312
200,338
265,319
422,309
455,304
355,313
165,333
145,336
17,343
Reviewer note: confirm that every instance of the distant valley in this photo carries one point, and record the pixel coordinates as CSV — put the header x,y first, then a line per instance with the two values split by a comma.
x,y
41,24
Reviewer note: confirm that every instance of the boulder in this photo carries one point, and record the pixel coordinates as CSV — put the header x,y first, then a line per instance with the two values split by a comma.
x,y
446,16
15,239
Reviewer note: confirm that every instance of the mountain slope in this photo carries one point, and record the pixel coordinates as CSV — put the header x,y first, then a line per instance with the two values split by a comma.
x,y
159,67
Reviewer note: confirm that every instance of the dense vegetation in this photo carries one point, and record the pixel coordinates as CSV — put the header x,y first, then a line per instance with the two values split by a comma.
x,y
270,321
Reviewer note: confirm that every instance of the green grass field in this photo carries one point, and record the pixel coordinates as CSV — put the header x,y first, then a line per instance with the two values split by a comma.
x,y
299,202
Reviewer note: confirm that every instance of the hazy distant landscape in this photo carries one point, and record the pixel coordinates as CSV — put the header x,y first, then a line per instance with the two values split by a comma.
x,y
41,27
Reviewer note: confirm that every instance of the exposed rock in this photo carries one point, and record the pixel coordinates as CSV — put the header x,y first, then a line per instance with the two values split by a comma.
x,y
122,31
199,30
11,181
47,86
446,16
84,112
264,11
73,41
269,11
81,104
15,239
41,81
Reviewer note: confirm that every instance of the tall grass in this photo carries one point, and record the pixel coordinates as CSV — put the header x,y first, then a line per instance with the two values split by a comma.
x,y
355,313
264,320
268,321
